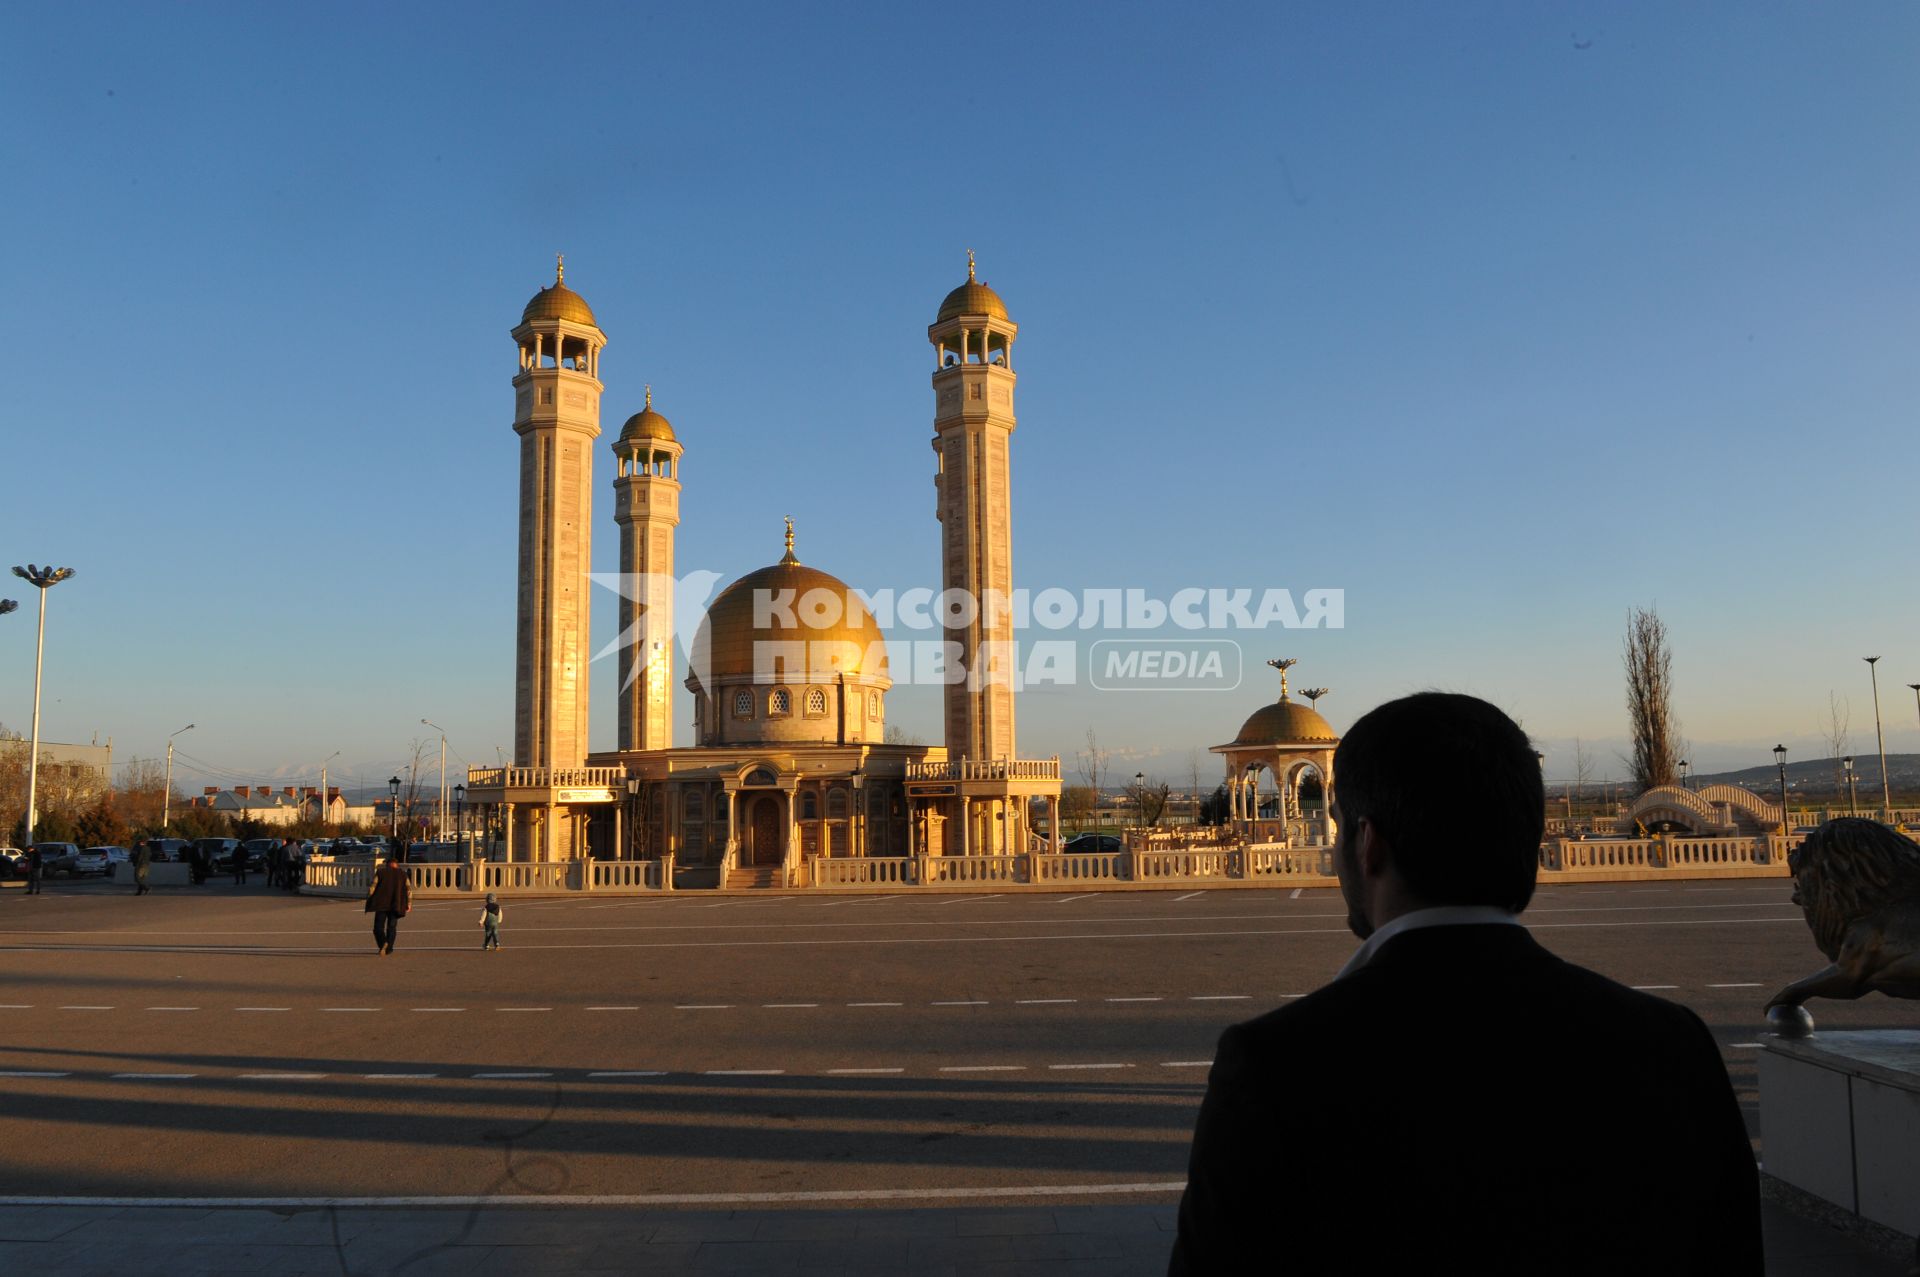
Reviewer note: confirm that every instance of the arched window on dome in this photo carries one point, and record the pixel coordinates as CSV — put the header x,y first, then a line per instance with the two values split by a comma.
x,y
780,701
873,706
743,704
816,701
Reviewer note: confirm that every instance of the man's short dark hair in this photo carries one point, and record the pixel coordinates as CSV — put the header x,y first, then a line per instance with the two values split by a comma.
x,y
1454,787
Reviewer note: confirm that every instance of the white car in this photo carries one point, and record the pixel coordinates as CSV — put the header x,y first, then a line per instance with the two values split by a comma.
x,y
94,860
116,856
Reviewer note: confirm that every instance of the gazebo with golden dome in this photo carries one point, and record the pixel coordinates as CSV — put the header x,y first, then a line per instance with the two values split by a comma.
x,y
1286,739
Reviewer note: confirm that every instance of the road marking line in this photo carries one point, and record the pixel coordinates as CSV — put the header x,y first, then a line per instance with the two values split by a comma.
x,y
1293,995
874,1004
154,1077
16,1006
977,1002
1067,900
1185,1064
1646,988
1296,893
1089,1066
605,1200
628,1073
851,1072
31,1073
983,1068
511,1075
1220,997
77,1008
787,1006
613,1008
705,1006
1733,986
349,1008
384,1076
263,1008
273,1077
1041,1002
961,900
523,1008
1190,895
173,1008
745,1072
1134,999
1754,1046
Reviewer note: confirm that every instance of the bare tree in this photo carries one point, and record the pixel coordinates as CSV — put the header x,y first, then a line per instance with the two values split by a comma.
x,y
1649,666
1839,744
1582,773
1093,763
1193,784
1077,807
1149,797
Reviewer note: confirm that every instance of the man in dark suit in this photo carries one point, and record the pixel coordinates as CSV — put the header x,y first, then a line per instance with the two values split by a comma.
x,y
1459,1099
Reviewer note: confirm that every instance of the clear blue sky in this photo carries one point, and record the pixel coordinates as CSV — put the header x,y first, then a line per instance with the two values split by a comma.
x,y
1502,318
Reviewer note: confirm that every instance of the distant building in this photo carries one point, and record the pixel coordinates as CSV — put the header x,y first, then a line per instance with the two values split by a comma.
x,y
286,805
96,759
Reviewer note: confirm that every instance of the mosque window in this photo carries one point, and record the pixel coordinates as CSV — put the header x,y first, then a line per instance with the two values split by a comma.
x,y
873,706
836,804
695,809
760,776
809,805
743,704
780,702
816,701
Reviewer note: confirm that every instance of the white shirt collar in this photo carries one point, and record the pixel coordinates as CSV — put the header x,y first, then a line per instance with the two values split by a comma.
x,y
1440,916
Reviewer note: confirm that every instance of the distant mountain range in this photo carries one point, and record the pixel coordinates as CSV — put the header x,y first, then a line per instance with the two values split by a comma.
x,y
1814,777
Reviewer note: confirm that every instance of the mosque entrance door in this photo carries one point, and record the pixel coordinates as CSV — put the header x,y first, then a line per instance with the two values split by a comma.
x,y
764,842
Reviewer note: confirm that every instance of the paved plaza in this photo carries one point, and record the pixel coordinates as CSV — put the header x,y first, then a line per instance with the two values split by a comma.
x,y
776,1083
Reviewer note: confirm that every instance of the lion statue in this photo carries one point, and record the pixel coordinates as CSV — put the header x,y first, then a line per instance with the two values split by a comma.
x,y
1859,883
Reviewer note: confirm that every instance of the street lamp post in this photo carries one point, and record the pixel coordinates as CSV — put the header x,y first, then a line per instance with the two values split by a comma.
x,y
1886,791
460,814
393,809
326,804
42,579
1684,784
1780,758
1853,799
166,798
1139,800
443,774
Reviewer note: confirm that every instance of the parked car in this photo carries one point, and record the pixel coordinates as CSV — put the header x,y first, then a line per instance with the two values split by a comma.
x,y
92,860
1092,843
257,849
166,850
116,856
56,857
13,862
218,851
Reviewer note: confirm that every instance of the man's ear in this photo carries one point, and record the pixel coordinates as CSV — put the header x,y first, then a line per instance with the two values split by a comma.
x,y
1370,849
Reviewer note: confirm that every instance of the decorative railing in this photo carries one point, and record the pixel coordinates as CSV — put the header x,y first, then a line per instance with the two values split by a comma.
x,y
616,874
552,875
425,877
1278,861
864,871
1093,866
337,877
1198,862
944,869
545,777
987,769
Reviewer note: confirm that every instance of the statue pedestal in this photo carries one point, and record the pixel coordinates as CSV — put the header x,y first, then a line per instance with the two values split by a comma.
x,y
1840,1118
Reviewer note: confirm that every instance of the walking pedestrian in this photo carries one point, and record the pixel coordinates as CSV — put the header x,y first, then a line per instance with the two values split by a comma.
x,y
239,865
389,900
142,858
490,923
33,871
290,865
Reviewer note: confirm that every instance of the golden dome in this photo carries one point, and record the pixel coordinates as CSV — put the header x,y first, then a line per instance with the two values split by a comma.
x,y
971,298
647,424
850,644
1286,722
559,302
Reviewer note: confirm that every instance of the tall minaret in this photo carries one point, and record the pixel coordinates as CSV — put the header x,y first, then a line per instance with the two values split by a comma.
x,y
557,416
646,505
973,424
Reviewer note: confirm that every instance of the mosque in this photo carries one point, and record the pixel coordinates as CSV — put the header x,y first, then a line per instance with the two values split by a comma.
x,y
789,759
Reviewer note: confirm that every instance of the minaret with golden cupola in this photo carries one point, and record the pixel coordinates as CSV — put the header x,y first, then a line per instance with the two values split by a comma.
x,y
646,505
973,427
557,416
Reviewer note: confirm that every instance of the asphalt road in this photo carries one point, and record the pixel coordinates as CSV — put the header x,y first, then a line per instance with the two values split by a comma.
x,y
228,1042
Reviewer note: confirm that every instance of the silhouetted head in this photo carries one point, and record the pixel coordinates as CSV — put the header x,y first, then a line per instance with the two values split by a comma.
x,y
1452,786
